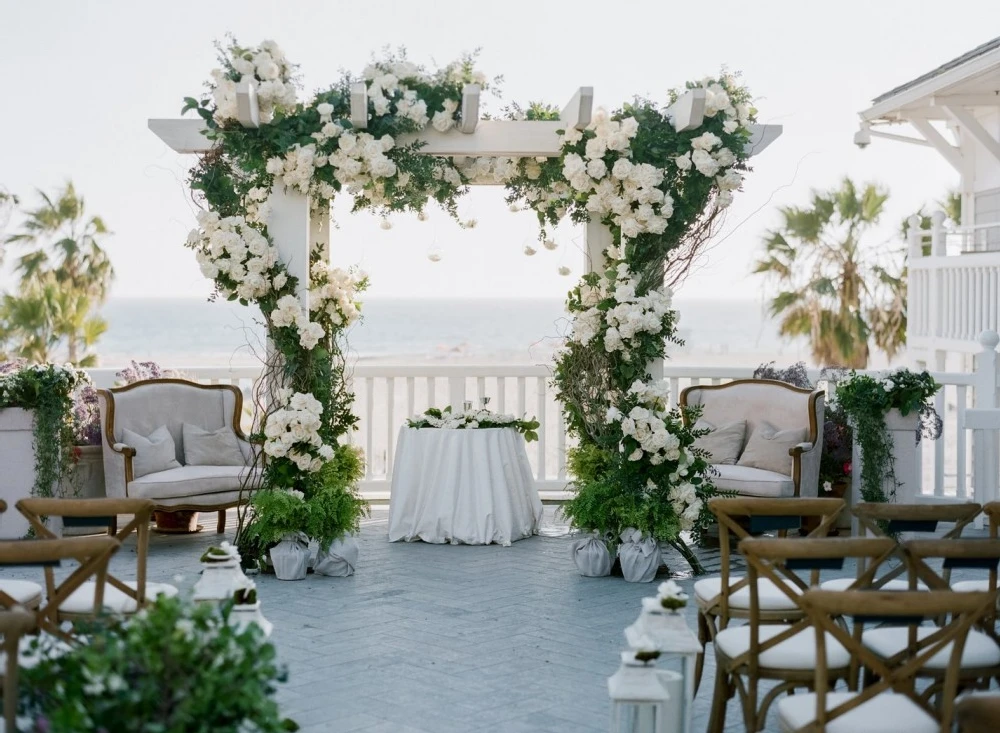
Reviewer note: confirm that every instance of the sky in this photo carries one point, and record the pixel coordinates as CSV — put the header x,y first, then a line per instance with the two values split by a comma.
x,y
82,77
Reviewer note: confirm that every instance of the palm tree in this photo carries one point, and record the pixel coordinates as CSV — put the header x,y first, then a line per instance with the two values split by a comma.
x,y
835,289
66,271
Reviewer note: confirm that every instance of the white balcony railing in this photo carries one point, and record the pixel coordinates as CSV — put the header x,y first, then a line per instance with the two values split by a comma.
x,y
953,286
386,395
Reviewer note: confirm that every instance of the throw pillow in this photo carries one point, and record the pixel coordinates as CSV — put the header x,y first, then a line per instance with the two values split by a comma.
x,y
211,447
768,448
724,443
153,453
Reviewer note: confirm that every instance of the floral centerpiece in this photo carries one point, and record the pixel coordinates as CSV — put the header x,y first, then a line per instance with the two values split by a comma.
x,y
670,596
172,666
866,400
472,419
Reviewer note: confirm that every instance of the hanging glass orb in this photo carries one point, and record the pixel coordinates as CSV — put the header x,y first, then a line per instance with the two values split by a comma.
x,y
435,254
564,270
385,224
529,250
550,244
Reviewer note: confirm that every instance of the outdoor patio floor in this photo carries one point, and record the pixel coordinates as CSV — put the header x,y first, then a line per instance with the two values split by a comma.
x,y
446,639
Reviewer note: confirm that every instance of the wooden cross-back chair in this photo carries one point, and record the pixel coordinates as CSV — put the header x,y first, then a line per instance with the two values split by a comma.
x,y
18,592
763,650
92,554
992,512
727,596
893,520
980,660
122,596
891,702
14,624
978,713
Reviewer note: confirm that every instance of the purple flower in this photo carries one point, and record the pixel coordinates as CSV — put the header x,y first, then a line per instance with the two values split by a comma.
x,y
138,371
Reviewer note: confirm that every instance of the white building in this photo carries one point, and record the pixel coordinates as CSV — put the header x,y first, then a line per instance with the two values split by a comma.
x,y
954,268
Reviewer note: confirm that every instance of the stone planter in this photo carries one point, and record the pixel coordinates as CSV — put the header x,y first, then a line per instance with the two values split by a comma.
x,y
86,481
906,454
181,522
17,456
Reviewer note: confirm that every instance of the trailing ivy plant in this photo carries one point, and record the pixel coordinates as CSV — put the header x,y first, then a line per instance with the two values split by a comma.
x,y
866,400
47,390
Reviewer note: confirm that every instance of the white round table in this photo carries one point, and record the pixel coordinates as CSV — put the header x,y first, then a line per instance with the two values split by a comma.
x,y
470,487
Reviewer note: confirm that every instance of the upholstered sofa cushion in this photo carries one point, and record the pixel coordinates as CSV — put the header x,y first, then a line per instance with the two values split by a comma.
x,y
211,447
154,452
747,481
767,448
191,481
724,443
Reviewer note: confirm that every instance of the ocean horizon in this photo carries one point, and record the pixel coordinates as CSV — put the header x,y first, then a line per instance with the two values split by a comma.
x,y
195,332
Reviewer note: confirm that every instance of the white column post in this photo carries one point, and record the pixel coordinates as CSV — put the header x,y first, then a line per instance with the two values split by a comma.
x,y
985,453
915,237
289,227
937,234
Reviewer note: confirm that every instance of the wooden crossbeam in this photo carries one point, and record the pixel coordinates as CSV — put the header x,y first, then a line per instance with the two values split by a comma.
x,y
952,154
470,109
247,107
493,138
580,109
688,112
359,105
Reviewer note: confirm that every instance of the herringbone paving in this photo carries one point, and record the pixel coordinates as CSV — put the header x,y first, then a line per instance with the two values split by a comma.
x,y
446,639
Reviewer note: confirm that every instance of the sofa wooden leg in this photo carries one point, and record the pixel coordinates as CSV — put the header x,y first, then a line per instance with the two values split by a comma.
x,y
222,522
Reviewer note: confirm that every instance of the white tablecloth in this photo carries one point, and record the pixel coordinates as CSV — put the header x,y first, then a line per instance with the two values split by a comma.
x,y
462,486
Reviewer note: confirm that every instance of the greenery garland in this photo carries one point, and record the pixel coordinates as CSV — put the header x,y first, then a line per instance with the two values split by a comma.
x,y
474,419
47,390
658,190
866,400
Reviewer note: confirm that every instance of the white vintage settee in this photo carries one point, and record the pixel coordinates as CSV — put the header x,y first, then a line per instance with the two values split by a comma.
x,y
143,407
769,406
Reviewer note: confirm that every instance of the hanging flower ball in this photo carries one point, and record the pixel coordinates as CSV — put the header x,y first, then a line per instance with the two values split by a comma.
x,y
550,244
385,224
564,270
529,250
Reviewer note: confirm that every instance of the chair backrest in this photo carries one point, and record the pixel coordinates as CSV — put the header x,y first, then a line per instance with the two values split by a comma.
x,y
14,624
763,515
825,609
782,405
92,554
892,520
146,405
992,512
794,565
99,513
974,554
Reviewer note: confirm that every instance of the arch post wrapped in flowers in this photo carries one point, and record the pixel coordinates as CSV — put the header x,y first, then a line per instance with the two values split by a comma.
x,y
649,179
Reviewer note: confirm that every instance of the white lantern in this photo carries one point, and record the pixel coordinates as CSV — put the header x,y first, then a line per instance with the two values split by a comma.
x,y
638,697
221,575
666,631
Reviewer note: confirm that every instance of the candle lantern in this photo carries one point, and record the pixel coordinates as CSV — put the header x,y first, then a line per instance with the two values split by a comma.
x,y
638,697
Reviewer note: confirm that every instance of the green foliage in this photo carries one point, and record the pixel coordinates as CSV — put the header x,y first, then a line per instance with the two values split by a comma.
x,y
173,668
48,391
865,400
64,278
325,508
835,289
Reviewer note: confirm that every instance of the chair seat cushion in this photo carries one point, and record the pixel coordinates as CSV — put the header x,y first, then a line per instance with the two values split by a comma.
x,y
189,481
747,481
24,592
881,714
979,651
797,652
971,586
81,600
844,583
769,597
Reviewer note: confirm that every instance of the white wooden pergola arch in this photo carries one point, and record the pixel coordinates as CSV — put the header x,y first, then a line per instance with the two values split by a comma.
x,y
294,228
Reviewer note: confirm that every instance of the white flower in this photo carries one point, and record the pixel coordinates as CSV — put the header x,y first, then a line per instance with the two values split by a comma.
x,y
636,455
706,141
